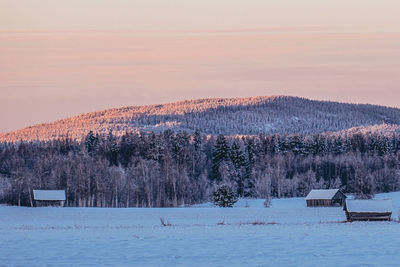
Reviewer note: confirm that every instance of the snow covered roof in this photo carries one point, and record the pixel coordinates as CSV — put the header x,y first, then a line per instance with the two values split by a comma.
x,y
371,205
49,194
321,194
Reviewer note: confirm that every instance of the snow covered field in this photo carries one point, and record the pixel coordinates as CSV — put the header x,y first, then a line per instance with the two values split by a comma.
x,y
287,234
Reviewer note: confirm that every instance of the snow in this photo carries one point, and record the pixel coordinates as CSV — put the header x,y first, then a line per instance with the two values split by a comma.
x,y
286,234
322,194
49,195
372,205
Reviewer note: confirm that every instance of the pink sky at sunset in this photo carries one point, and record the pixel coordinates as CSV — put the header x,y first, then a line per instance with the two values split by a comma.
x,y
63,58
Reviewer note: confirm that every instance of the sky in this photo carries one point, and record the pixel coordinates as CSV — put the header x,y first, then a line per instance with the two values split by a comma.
x,y
62,58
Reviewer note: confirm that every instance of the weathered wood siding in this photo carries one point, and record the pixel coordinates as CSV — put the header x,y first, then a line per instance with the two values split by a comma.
x,y
52,203
368,216
319,202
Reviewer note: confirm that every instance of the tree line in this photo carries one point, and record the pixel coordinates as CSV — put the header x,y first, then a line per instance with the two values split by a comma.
x,y
170,169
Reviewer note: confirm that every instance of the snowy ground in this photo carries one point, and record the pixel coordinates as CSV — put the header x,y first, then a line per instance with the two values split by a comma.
x,y
287,234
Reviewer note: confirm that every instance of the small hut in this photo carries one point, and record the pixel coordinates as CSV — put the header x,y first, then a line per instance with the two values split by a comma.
x,y
45,198
325,198
368,210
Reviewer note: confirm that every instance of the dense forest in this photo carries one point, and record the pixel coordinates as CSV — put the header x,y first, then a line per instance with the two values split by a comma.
x,y
169,169
227,116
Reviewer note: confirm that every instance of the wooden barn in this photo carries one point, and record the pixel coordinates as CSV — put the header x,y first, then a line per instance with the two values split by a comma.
x,y
325,198
45,198
368,210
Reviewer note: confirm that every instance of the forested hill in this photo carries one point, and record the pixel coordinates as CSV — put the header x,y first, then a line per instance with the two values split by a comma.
x,y
228,116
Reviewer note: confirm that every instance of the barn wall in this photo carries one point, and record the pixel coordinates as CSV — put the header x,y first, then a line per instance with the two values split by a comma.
x,y
318,202
368,216
47,203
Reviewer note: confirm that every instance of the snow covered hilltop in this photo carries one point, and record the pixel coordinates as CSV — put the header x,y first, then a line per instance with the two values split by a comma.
x,y
228,116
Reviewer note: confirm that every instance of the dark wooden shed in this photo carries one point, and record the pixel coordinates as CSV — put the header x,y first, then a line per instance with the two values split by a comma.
x,y
325,198
368,210
49,197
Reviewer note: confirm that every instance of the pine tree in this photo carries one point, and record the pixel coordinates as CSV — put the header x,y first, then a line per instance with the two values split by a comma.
x,y
91,142
197,165
249,181
224,197
220,154
112,149
237,156
239,161
197,140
